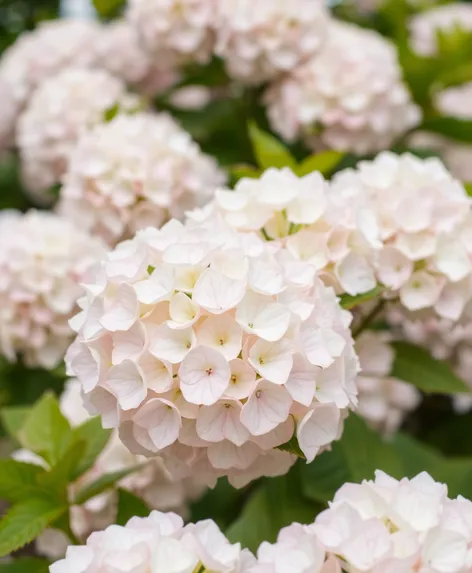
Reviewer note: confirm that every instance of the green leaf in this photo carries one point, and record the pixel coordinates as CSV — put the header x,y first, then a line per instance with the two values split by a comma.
x,y
25,521
130,505
293,447
416,456
107,8
95,438
25,565
348,301
468,188
64,471
268,150
103,483
13,418
111,112
242,170
324,162
452,127
325,475
416,366
46,431
18,480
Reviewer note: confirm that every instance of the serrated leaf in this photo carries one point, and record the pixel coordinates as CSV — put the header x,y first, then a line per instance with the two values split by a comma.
x,y
95,438
324,162
415,365
18,480
130,505
268,150
452,127
25,565
25,521
350,301
63,472
13,418
292,447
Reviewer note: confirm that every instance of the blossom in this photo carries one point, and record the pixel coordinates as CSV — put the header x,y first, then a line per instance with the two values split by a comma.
x,y
43,259
174,31
135,170
214,347
261,40
60,109
352,90
159,542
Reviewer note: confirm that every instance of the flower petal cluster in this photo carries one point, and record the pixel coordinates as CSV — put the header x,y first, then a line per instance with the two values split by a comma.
x,y
175,32
215,346
52,47
159,542
136,170
350,96
60,109
384,401
43,258
261,40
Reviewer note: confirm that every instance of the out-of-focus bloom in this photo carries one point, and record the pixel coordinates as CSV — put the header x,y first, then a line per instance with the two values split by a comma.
x,y
159,542
384,401
43,258
216,347
388,525
38,55
191,97
261,40
174,32
349,97
58,112
134,171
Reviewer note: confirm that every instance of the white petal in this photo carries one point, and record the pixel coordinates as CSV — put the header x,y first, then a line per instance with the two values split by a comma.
x,y
355,275
319,427
218,293
225,455
221,333
172,345
421,291
123,312
126,383
221,421
242,381
272,360
322,345
157,287
128,344
162,421
444,550
268,407
156,373
451,259
258,315
265,277
183,311
301,382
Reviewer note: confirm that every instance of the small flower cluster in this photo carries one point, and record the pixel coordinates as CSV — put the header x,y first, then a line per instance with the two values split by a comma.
x,y
60,109
352,89
261,40
159,542
216,347
43,258
134,171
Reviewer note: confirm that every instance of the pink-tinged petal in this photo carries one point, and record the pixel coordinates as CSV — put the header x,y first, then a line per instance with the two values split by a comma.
x,y
355,274
101,401
162,421
276,437
242,381
393,267
156,373
265,277
123,312
370,543
321,345
422,290
318,428
301,382
218,293
221,333
225,455
222,421
85,366
272,360
171,345
204,375
259,315
127,384
268,407
128,344
183,311
451,259
157,287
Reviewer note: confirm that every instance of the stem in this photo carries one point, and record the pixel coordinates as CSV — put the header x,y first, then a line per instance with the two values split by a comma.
x,y
368,318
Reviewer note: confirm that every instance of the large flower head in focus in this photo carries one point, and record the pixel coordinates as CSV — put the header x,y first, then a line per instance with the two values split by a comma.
x,y
134,171
350,96
261,40
43,259
158,543
216,347
59,111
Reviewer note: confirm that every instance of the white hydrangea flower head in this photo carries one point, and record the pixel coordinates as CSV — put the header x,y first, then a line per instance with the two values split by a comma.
x,y
425,25
120,53
58,112
175,31
258,41
43,259
424,219
384,401
134,171
159,542
215,347
390,525
38,55
350,96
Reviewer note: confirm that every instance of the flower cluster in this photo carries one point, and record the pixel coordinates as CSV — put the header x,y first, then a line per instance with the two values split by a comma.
x,y
159,542
215,346
352,90
134,171
43,258
38,55
175,31
60,109
260,40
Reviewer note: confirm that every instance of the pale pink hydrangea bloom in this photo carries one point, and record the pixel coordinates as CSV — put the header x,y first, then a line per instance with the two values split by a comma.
x,y
261,40
423,215
160,543
384,401
38,55
349,97
387,525
175,32
43,258
215,347
58,112
134,171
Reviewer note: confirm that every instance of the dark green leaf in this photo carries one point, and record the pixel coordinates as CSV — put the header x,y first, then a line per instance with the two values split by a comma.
x,y
95,438
25,565
103,483
130,505
324,162
13,418
452,127
416,457
416,366
325,475
293,447
18,480
350,301
268,150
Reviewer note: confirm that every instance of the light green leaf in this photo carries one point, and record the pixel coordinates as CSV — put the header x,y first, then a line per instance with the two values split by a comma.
x,y
468,188
64,471
13,418
242,170
324,162
19,480
350,301
107,8
268,150
25,565
95,438
416,366
25,521
452,127
130,505
107,481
